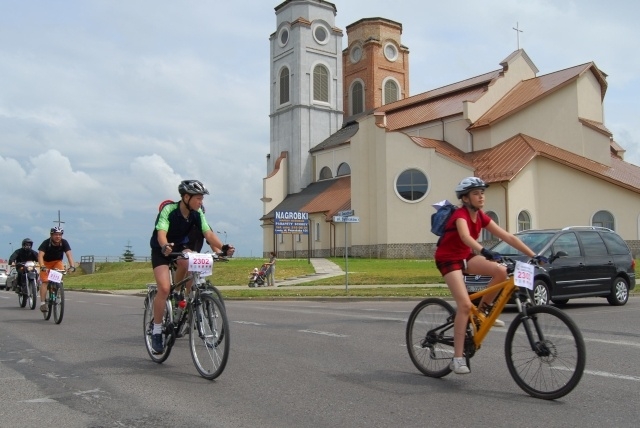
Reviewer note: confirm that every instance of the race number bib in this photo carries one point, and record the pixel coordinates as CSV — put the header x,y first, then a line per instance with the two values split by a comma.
x,y
54,276
202,263
523,275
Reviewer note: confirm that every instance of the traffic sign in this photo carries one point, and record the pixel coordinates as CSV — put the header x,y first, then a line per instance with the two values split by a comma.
x,y
346,219
346,213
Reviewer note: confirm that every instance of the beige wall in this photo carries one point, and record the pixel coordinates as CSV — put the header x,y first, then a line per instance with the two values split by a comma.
x,y
332,159
590,98
453,130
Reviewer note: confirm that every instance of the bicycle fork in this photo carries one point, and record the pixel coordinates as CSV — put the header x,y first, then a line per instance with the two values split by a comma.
x,y
538,343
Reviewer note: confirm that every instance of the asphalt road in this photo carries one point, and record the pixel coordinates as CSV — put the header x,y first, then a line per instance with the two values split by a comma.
x,y
293,364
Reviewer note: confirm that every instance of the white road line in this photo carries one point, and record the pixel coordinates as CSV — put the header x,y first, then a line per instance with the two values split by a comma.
x,y
40,400
248,323
606,374
324,333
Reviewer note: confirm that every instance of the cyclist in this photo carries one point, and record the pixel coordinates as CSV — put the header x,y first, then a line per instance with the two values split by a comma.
x,y
173,225
50,255
22,255
459,250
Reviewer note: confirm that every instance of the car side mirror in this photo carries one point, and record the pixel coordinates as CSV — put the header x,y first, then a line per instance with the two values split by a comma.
x,y
558,255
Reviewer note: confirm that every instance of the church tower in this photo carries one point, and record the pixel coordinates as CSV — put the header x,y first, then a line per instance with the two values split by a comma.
x,y
376,65
306,84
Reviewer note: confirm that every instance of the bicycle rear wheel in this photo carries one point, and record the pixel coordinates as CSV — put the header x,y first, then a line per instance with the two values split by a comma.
x,y
58,304
554,367
210,287
147,325
429,337
49,304
209,337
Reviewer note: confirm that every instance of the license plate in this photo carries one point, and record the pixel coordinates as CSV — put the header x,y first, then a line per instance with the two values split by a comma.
x,y
475,288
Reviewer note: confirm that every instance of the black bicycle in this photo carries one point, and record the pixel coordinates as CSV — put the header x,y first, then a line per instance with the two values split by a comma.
x,y
55,299
201,315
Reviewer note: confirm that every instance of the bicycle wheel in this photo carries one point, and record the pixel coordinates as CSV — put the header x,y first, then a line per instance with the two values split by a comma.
x,y
555,366
22,297
209,336
430,336
49,303
147,325
210,287
31,290
58,304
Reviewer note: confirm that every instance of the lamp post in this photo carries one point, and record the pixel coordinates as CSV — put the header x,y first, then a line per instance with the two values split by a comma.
x,y
225,235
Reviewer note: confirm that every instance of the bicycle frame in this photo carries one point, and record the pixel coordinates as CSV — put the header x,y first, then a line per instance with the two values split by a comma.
x,y
506,288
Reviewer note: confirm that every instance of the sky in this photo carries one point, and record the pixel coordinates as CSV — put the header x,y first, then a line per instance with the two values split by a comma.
x,y
105,105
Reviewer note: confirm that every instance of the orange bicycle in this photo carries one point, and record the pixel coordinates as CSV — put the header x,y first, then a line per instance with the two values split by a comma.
x,y
544,348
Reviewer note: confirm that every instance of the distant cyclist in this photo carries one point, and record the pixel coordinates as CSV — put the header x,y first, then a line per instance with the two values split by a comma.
x,y
23,255
173,225
50,255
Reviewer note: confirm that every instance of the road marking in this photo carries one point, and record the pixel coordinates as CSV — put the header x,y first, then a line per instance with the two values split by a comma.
x,y
40,400
605,374
248,322
613,342
324,333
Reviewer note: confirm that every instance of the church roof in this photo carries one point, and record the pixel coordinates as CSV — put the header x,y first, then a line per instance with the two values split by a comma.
x,y
325,196
505,161
531,90
342,136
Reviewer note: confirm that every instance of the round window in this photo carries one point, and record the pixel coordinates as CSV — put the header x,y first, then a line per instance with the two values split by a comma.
x,y
321,34
283,37
412,185
390,52
356,54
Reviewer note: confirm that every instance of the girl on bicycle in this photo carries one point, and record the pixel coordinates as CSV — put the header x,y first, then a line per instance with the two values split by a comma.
x,y
459,251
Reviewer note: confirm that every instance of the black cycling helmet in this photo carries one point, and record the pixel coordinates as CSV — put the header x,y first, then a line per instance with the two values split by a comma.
x,y
56,229
468,184
26,242
192,187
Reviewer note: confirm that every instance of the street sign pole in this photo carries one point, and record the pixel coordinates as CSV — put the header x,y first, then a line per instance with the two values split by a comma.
x,y
346,259
346,217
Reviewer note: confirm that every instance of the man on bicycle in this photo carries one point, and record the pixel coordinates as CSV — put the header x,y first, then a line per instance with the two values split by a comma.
x,y
50,255
22,255
173,225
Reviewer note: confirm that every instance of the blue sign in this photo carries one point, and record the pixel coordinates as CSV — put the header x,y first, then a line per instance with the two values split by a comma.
x,y
294,222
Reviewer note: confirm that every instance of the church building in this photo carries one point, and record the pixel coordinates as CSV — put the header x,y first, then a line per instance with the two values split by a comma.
x,y
347,135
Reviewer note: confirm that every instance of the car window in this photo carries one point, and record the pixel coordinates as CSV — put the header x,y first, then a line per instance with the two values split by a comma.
x,y
535,241
615,244
567,242
592,243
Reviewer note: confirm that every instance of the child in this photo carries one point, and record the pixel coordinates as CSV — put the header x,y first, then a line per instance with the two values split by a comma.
x,y
455,254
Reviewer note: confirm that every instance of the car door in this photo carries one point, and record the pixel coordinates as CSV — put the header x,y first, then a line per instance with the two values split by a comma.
x,y
567,273
599,265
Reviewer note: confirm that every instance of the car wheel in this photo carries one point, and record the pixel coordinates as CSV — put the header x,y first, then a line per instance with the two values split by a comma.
x,y
619,292
560,302
540,293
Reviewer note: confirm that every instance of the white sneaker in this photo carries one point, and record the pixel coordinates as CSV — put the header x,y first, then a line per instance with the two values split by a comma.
x,y
459,366
498,323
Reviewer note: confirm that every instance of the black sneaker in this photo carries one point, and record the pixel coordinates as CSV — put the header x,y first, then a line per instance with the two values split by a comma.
x,y
156,343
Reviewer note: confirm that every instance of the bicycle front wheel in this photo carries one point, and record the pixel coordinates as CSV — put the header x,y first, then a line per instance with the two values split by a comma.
x,y
429,337
31,289
209,337
545,352
58,304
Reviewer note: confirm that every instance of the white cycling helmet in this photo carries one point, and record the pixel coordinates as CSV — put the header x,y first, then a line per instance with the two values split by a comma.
x,y
468,184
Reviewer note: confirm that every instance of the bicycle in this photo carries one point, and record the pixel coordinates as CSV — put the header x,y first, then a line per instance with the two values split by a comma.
x,y
201,315
544,349
55,296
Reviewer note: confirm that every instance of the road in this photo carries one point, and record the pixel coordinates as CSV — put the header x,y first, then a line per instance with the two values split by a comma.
x,y
293,364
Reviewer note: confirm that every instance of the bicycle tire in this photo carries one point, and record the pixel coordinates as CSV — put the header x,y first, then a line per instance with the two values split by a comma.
x,y
210,287
31,289
147,325
209,337
47,315
431,350
556,367
58,304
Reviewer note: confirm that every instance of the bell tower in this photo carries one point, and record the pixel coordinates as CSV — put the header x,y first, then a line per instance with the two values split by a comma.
x,y
376,65
306,84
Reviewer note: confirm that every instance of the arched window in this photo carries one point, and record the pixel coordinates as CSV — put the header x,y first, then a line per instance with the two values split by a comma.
x,y
486,235
343,169
357,98
412,185
325,173
524,221
321,83
391,92
284,85
603,219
